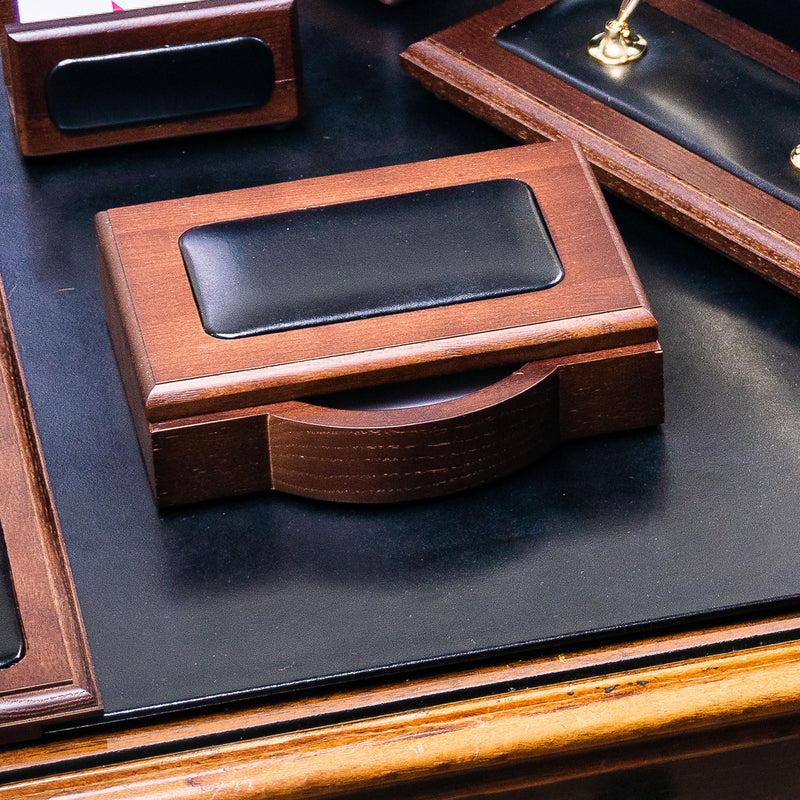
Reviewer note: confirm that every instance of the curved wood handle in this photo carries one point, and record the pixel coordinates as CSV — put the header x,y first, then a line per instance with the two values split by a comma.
x,y
412,453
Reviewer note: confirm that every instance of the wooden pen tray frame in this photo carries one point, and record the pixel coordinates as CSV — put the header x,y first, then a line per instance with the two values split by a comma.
x,y
465,65
31,51
54,679
181,381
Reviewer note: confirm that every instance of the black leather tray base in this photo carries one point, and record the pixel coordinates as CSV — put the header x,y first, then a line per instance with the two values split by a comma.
x,y
11,641
370,257
695,91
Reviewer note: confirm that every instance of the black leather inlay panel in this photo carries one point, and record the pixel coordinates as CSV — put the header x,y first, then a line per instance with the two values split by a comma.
x,y
716,102
371,257
160,84
12,644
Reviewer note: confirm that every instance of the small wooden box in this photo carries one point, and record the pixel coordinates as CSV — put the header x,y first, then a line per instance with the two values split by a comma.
x,y
107,79
218,416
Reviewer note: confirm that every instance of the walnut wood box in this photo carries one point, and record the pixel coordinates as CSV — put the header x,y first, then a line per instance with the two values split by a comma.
x,y
697,192
219,416
108,79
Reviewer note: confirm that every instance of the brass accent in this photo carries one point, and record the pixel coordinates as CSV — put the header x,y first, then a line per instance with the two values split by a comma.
x,y
795,157
618,44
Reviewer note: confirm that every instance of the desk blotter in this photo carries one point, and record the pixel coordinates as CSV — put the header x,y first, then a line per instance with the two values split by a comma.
x,y
230,413
46,672
699,130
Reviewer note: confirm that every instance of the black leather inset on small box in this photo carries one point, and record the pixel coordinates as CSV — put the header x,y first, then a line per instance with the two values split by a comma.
x,y
11,642
370,257
690,88
161,84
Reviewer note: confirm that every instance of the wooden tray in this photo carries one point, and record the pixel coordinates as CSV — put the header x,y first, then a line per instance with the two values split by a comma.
x,y
467,66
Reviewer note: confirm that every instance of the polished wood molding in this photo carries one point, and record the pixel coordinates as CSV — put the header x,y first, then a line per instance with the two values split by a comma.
x,y
465,65
30,51
477,731
54,679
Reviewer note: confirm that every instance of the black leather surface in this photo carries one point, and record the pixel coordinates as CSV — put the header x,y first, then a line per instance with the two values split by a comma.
x,y
368,258
160,84
266,593
11,641
693,90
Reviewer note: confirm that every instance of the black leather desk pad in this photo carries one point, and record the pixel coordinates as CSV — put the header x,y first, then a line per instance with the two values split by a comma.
x,y
11,641
368,258
695,91
228,598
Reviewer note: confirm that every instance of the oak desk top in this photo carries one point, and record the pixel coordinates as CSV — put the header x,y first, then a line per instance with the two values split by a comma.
x,y
661,558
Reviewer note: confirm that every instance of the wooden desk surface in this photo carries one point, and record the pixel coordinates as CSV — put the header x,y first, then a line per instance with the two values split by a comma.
x,y
210,627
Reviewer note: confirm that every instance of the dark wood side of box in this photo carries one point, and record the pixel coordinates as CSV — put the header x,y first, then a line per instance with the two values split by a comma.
x,y
54,678
31,51
465,65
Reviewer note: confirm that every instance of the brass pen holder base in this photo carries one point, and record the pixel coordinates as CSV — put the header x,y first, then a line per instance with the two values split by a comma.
x,y
617,45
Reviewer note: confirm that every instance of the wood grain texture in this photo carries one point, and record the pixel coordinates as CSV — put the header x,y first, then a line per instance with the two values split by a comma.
x,y
465,65
223,416
505,739
54,679
30,51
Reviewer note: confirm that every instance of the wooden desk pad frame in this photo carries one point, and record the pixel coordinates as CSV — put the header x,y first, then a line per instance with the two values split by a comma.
x,y
180,380
465,65
54,679
30,51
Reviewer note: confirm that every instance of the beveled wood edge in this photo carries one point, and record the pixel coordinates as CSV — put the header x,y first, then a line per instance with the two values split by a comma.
x,y
176,399
492,735
683,202
54,679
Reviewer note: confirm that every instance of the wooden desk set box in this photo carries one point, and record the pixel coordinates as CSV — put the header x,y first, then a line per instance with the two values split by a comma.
x,y
150,73
232,314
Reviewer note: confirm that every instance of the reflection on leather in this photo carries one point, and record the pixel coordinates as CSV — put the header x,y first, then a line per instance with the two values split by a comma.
x,y
710,99
11,641
370,257
164,83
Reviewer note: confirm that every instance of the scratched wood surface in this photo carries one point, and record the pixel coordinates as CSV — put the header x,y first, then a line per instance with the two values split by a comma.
x,y
669,704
